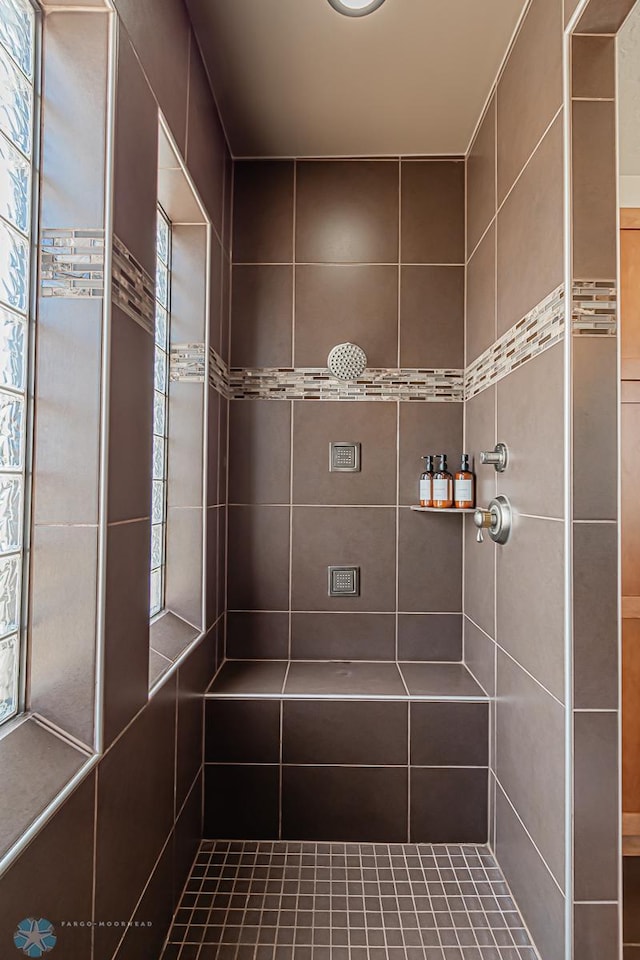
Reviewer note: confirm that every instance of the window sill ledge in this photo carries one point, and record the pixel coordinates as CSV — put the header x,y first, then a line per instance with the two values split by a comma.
x,y
39,771
169,637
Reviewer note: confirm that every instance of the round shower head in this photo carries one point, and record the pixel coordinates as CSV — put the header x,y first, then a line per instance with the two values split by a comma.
x,y
347,361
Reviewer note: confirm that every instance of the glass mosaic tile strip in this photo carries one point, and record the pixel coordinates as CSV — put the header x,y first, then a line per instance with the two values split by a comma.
x,y
594,308
187,363
316,383
218,373
72,263
539,330
133,290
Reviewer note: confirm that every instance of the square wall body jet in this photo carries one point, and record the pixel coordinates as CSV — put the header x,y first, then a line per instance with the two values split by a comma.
x,y
344,457
344,581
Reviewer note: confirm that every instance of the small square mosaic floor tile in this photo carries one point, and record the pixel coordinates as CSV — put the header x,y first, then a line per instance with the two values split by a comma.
x,y
280,900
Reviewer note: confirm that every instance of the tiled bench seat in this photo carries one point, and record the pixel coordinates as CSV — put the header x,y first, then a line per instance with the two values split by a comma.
x,y
346,751
342,680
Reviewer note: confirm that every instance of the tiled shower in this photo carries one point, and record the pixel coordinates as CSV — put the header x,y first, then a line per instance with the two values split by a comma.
x,y
428,768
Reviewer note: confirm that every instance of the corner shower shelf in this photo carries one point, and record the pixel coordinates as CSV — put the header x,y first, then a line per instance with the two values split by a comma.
x,y
417,509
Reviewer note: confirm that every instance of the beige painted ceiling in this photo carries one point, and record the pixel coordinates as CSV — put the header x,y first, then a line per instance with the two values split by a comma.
x,y
293,78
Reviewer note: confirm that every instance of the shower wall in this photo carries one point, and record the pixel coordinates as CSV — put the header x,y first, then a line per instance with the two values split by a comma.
x,y
551,663
120,846
327,251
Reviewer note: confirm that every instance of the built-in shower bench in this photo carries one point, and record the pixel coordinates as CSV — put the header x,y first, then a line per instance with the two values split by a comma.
x,y
354,751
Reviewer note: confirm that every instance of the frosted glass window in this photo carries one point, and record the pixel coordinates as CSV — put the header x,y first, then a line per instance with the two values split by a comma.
x,y
17,108
160,412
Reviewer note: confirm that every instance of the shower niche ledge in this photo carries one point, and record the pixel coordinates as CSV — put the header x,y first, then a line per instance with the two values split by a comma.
x,y
418,509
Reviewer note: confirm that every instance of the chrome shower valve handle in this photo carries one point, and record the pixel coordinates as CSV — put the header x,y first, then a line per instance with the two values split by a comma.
x,y
496,520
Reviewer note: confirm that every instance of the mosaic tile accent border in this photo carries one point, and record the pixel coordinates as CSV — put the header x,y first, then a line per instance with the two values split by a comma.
x,y
132,288
187,363
539,330
316,383
218,373
594,308
72,263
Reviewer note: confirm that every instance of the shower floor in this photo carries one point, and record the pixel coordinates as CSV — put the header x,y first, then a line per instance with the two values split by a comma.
x,y
280,900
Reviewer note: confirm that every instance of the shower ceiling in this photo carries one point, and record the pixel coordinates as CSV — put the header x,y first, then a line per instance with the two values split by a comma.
x,y
294,78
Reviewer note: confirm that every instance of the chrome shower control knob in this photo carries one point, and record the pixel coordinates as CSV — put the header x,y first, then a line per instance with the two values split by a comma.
x,y
498,458
483,520
496,519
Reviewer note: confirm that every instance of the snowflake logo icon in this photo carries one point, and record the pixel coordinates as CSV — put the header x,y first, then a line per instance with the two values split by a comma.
x,y
35,937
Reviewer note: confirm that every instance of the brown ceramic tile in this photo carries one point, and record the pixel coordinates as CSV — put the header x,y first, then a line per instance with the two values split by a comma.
x,y
604,17
248,678
432,317
480,434
184,452
450,734
212,572
595,412
46,882
254,636
594,189
242,731
426,428
225,329
479,577
595,612
535,64
530,610
339,732
345,803
343,636
479,656
429,563
31,747
531,724
62,661
158,666
593,66
206,144
347,211
189,282
258,558
126,657
194,676
183,579
263,211
481,178
530,401
160,33
344,678
339,302
540,900
440,680
259,451
316,425
213,451
481,296
130,419
432,211
135,162
336,536
597,933
135,786
186,837
153,915
530,231
223,459
217,266
241,802
448,806
430,636
228,200
261,320
596,806
66,484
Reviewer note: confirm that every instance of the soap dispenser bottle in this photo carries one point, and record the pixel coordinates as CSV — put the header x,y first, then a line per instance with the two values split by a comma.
x,y
442,485
463,486
426,483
